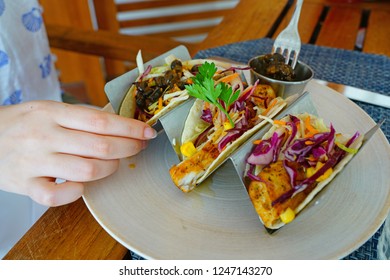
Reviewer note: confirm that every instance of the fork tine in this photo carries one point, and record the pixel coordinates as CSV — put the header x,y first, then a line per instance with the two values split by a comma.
x,y
287,55
295,59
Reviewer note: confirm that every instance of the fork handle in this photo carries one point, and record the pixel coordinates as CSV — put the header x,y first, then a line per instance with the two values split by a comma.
x,y
295,18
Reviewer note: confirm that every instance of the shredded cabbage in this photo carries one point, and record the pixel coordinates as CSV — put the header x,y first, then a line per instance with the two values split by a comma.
x,y
348,150
175,94
140,63
206,115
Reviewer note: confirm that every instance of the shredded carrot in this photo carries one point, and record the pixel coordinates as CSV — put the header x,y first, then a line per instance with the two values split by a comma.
x,y
257,142
311,158
308,142
310,128
190,81
229,78
160,103
279,122
266,111
215,116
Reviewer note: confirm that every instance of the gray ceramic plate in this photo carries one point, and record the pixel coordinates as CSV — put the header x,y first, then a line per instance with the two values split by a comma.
x,y
142,209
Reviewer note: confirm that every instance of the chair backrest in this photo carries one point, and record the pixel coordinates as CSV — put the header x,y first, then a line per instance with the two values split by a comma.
x,y
186,21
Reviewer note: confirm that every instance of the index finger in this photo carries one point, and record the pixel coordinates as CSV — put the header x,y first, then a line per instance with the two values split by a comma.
x,y
101,122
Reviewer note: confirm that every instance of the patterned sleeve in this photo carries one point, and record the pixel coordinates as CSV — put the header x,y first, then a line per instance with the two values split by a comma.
x,y
26,64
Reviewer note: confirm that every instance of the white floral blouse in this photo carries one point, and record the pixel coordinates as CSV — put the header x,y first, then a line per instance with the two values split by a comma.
x,y
26,64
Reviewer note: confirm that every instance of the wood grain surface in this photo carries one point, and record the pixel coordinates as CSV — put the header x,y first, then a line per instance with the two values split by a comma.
x,y
67,232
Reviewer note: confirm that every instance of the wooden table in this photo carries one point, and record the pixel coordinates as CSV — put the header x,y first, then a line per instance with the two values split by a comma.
x,y
70,231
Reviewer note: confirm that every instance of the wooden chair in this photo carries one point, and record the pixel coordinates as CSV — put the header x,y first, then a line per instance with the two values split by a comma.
x,y
187,22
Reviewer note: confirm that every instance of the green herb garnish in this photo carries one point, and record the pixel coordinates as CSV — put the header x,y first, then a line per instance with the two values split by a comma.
x,y
204,88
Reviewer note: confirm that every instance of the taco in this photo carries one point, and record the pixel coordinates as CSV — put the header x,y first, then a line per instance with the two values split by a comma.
x,y
292,162
159,89
225,113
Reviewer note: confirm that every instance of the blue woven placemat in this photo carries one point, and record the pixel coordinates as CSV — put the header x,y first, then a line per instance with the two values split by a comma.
x,y
366,71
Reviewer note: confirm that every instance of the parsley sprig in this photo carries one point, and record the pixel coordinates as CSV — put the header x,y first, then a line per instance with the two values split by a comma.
x,y
204,88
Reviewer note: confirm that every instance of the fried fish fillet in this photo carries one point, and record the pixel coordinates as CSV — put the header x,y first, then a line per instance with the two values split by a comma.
x,y
275,182
187,172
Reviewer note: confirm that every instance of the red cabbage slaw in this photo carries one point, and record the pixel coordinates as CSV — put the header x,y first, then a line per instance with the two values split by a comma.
x,y
306,151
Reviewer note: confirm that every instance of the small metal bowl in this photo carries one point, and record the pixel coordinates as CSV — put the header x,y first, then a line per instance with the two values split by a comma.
x,y
285,89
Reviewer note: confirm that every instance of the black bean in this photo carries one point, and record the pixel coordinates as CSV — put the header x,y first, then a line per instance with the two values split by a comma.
x,y
177,66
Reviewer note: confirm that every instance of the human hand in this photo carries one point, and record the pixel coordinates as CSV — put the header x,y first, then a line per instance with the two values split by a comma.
x,y
44,140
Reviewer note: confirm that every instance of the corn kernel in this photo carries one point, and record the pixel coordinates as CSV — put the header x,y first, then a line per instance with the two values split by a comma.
x,y
310,171
188,149
325,175
287,216
227,125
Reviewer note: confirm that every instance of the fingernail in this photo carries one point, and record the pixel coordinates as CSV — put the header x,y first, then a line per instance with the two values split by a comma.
x,y
150,133
144,145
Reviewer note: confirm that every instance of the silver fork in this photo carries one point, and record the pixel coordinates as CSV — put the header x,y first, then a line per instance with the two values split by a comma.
x,y
288,41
